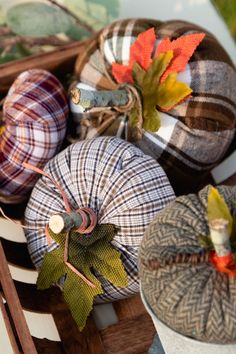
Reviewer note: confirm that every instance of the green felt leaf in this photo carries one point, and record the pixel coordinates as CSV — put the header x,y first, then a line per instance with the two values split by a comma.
x,y
86,253
170,92
148,81
79,296
53,268
154,73
138,74
205,242
217,208
26,19
151,118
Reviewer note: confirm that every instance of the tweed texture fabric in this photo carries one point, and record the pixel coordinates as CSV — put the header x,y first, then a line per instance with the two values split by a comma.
x,y
122,185
35,114
192,298
196,133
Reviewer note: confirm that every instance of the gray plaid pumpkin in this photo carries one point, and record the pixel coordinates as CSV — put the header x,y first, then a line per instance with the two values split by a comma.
x,y
195,134
122,185
191,297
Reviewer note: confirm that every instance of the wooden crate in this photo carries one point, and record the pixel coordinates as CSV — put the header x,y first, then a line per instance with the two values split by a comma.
x,y
59,61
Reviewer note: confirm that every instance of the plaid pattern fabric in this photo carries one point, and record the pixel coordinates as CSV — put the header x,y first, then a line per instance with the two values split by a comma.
x,y
194,135
34,113
122,185
192,298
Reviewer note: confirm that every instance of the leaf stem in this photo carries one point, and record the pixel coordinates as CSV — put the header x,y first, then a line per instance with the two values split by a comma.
x,y
76,18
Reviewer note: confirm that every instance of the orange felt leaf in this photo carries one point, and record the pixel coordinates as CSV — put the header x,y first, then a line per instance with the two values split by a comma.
x,y
141,49
183,48
122,73
140,52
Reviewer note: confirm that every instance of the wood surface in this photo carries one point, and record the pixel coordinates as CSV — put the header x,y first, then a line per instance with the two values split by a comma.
x,y
15,306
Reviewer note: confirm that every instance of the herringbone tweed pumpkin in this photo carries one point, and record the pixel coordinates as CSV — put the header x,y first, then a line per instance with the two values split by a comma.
x,y
190,296
195,134
122,185
35,114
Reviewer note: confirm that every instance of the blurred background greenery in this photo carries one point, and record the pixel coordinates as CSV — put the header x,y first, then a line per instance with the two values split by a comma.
x,y
227,8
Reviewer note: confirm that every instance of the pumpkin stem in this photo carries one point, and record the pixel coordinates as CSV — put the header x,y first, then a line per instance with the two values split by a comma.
x,y
89,99
219,233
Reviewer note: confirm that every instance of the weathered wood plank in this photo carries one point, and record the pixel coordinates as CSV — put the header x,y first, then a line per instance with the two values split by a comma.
x,y
15,306
9,329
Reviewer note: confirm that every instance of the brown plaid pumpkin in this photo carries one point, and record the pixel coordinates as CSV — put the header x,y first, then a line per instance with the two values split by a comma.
x,y
35,113
194,135
179,282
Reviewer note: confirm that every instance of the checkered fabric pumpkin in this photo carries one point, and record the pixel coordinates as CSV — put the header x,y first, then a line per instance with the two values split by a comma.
x,y
195,134
34,116
179,282
122,185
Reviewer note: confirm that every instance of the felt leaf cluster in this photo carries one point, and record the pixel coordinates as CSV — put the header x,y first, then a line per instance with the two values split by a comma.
x,y
156,78
88,254
218,209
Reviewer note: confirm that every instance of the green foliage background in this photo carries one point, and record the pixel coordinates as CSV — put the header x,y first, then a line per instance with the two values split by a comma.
x,y
227,8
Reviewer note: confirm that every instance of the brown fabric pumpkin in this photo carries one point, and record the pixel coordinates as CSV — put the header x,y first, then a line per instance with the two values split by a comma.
x,y
195,134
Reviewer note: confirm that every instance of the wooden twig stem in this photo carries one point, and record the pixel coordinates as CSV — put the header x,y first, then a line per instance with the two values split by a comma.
x,y
65,221
15,306
89,99
219,233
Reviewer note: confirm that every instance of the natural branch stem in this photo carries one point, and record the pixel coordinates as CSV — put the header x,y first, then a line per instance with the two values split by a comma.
x,y
64,222
70,13
219,232
89,99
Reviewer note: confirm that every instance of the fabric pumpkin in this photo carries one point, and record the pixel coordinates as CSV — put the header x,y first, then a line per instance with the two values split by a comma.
x,y
122,185
195,134
35,114
193,298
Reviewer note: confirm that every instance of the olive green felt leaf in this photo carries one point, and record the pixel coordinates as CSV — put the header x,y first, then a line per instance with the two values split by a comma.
x,y
217,208
155,94
205,242
86,253
170,92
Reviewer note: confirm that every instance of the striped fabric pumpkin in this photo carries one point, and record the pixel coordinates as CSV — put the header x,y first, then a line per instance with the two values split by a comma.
x,y
195,134
122,185
34,115
178,280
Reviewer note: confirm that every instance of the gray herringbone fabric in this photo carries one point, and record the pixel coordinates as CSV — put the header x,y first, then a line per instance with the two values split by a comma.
x,y
121,184
193,299
195,134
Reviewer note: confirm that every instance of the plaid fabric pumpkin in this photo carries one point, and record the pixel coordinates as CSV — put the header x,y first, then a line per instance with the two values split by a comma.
x,y
179,282
122,185
195,134
34,117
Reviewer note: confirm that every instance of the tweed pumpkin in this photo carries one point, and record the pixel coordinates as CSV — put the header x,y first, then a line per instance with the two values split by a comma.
x,y
180,283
